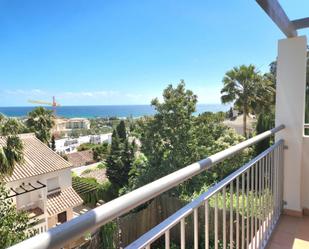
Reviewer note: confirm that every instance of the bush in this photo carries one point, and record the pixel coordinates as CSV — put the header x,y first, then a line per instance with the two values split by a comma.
x,y
86,146
91,191
101,166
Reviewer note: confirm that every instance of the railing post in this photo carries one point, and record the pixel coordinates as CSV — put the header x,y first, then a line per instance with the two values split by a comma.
x,y
290,109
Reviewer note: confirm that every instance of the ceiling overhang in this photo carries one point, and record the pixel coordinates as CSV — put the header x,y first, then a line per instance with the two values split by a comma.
x,y
274,10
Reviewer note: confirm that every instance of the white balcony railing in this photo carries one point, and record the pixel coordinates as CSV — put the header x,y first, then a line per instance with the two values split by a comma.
x,y
39,228
266,193
254,197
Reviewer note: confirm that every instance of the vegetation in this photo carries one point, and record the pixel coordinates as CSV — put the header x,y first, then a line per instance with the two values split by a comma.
x,y
91,191
53,143
12,152
13,223
174,138
248,89
101,152
86,146
108,232
121,157
265,122
12,126
41,121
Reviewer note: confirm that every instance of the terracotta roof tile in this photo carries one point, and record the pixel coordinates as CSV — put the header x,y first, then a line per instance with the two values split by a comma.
x,y
81,158
60,201
38,159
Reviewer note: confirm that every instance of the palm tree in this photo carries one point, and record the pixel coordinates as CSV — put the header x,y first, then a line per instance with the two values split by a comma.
x,y
241,85
10,155
12,152
41,121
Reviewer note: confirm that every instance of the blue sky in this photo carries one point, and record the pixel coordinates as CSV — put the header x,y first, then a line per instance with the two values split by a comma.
x,y
126,52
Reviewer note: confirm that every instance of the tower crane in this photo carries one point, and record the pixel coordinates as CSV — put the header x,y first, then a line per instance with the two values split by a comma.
x,y
54,104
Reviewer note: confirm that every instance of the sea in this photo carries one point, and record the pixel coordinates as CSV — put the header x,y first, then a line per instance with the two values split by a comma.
x,y
120,111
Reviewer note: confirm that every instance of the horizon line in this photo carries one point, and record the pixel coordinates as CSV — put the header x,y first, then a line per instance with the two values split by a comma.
x,y
102,105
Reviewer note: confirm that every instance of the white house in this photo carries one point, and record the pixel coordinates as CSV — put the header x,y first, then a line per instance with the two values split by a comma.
x,y
66,126
69,145
42,185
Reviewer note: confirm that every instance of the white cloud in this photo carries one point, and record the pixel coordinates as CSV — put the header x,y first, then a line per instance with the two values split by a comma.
x,y
25,92
88,94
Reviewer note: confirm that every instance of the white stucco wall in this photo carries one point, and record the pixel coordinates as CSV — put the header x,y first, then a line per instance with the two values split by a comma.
x,y
290,109
305,174
64,176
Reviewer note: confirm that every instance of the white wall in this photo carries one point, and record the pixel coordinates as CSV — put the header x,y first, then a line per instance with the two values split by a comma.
x,y
290,109
65,180
305,173
60,147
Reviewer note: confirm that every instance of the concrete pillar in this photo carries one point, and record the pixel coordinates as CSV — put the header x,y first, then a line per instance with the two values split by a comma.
x,y
290,110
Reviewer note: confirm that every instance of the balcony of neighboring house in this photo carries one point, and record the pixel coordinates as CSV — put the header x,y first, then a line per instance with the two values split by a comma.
x,y
30,198
263,204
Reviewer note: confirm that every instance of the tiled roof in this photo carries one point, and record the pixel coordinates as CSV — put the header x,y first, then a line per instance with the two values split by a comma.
x,y
60,201
81,158
38,159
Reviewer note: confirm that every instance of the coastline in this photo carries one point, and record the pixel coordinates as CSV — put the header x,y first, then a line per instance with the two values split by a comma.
x,y
105,111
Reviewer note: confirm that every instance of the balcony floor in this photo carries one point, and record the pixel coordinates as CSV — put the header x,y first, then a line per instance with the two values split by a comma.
x,y
291,232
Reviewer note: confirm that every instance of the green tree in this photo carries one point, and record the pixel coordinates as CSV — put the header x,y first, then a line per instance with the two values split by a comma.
x,y
265,122
114,164
53,143
121,157
100,152
13,223
2,118
175,138
12,152
240,85
121,130
168,139
12,126
40,121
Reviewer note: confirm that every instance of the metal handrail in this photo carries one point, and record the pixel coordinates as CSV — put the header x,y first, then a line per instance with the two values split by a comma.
x,y
77,227
167,224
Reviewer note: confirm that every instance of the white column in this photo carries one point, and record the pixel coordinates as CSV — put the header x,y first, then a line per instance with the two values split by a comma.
x,y
290,110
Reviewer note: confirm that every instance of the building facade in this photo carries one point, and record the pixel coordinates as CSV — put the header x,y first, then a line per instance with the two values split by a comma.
x,y
66,126
42,185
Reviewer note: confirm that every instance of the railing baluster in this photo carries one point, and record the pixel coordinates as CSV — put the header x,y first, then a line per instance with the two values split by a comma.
x,y
266,197
280,177
278,182
206,225
231,215
271,172
256,205
224,217
182,234
167,239
237,212
148,247
243,211
263,200
195,213
260,203
275,186
247,208
216,221
252,204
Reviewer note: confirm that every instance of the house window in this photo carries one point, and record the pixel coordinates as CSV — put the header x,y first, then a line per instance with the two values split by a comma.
x,y
52,184
62,217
